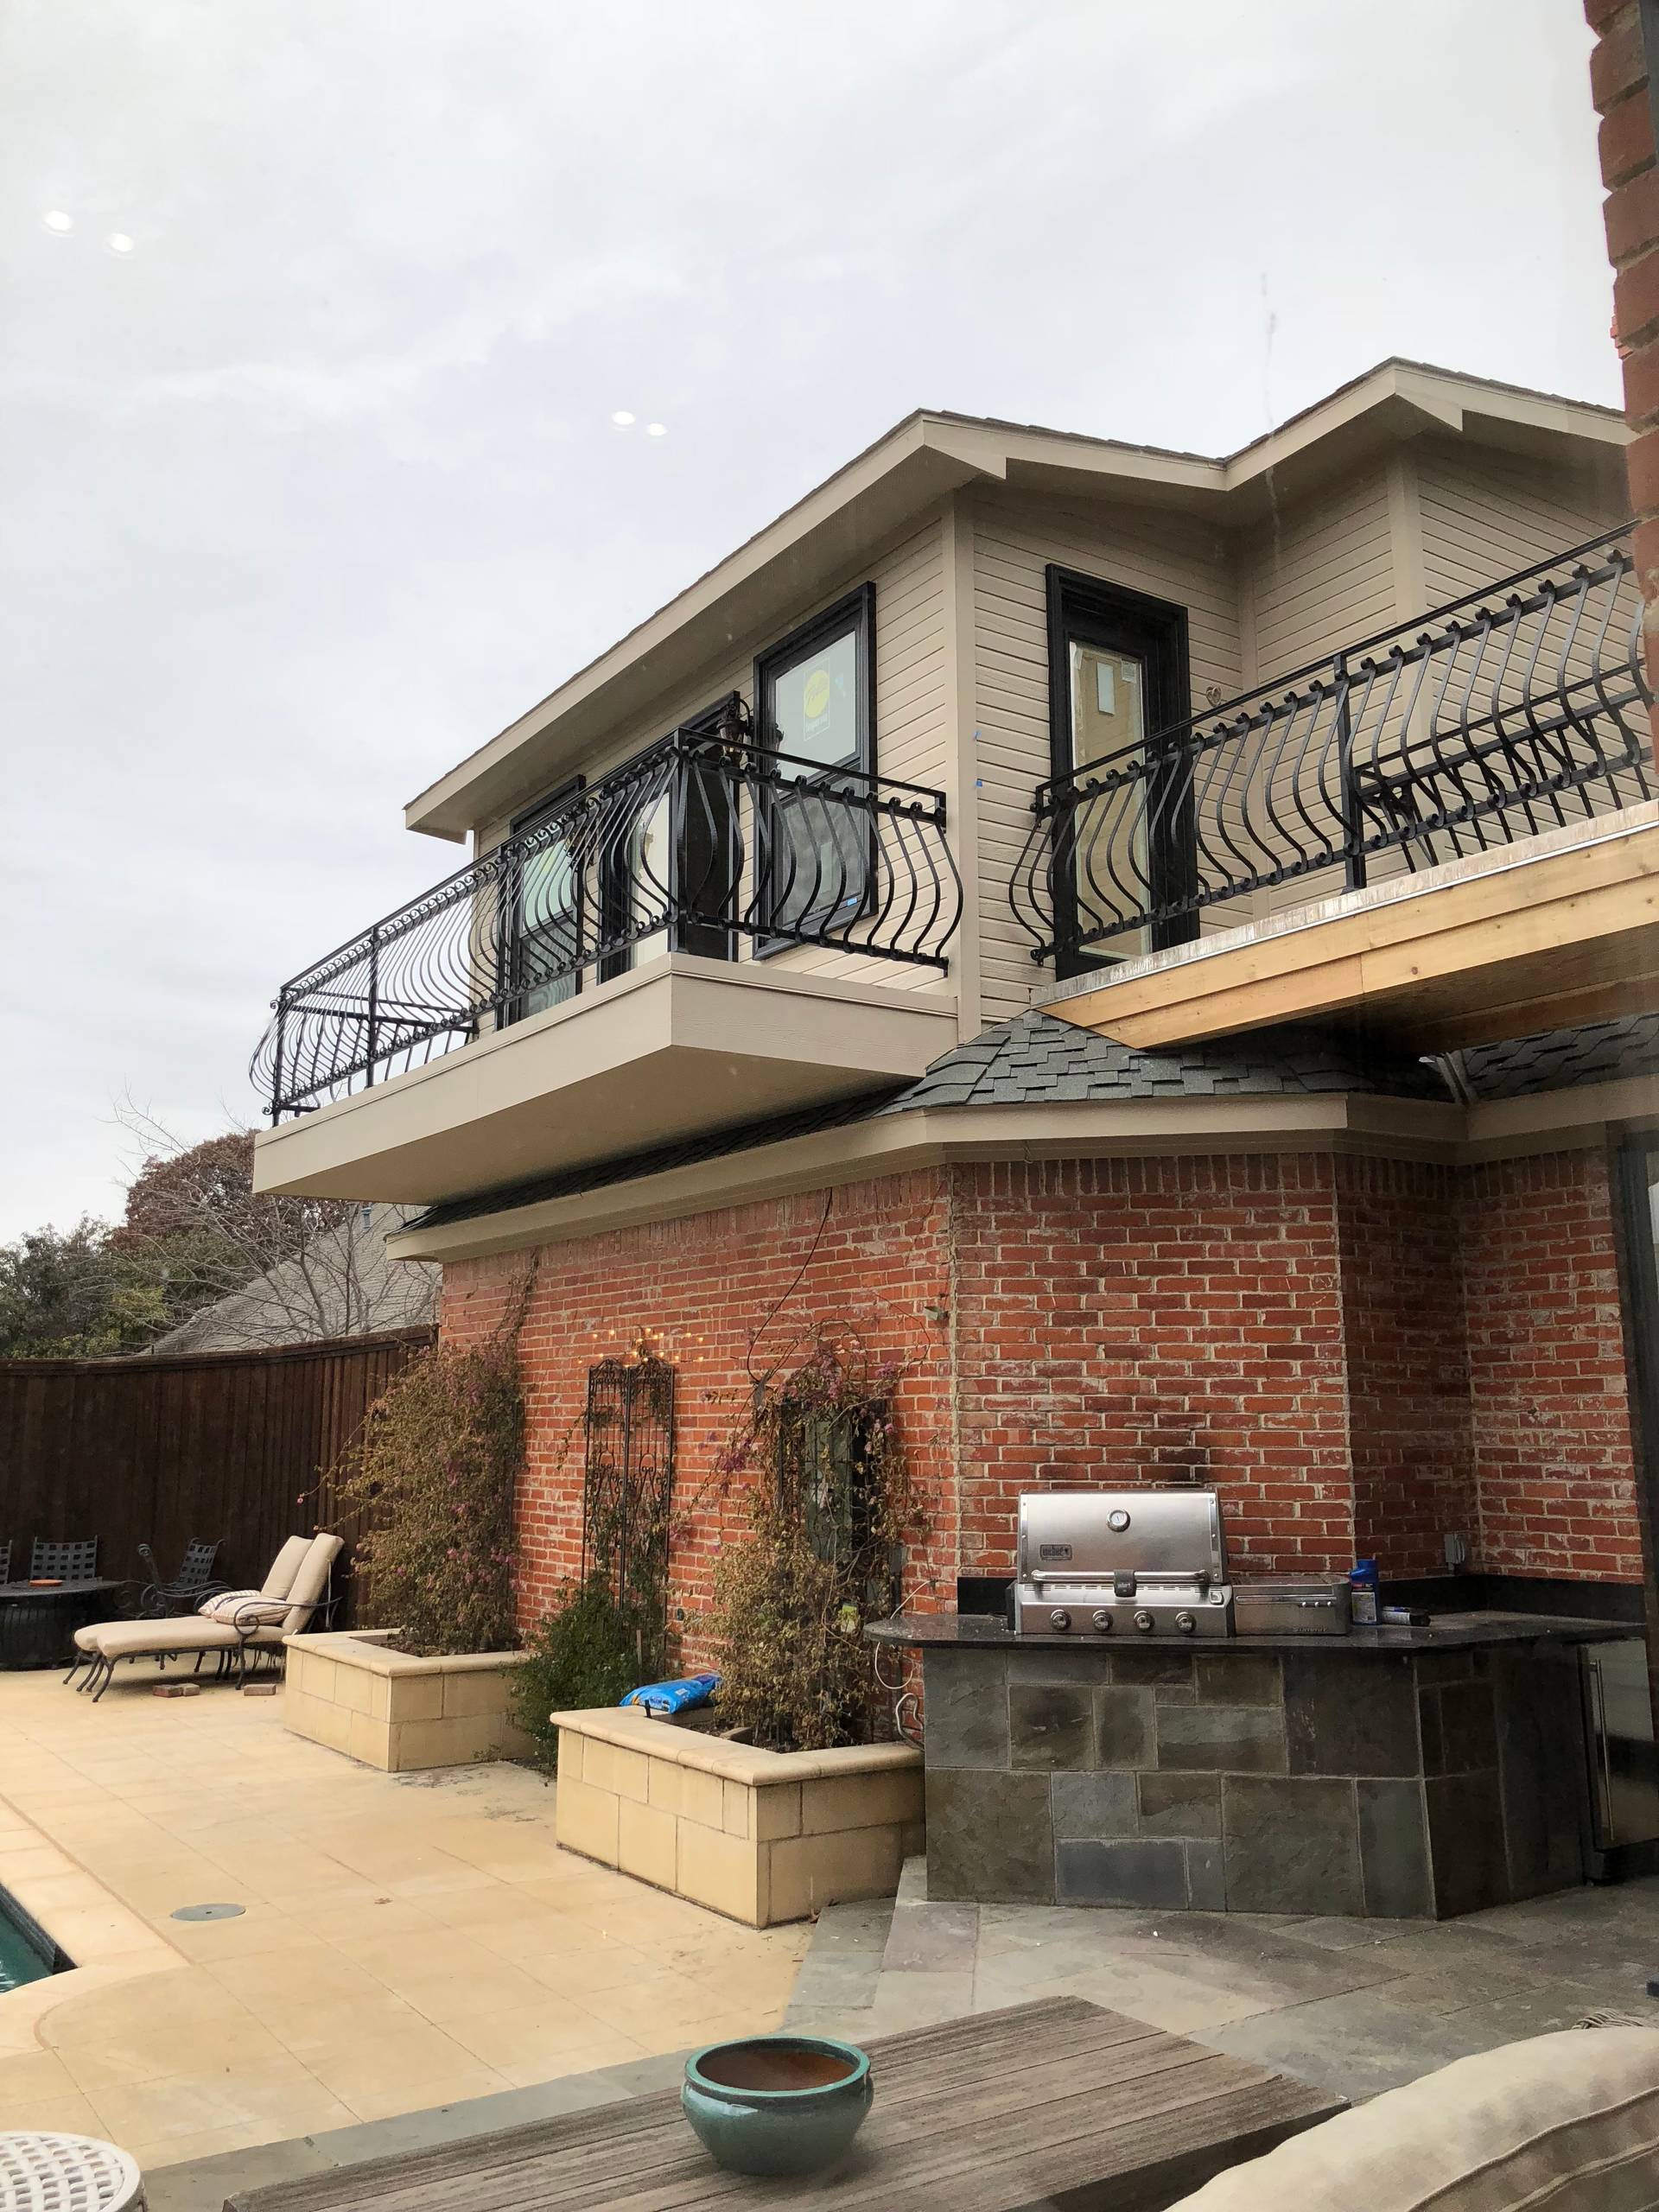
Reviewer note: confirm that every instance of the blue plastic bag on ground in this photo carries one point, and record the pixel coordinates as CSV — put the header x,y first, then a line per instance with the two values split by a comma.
x,y
674,1697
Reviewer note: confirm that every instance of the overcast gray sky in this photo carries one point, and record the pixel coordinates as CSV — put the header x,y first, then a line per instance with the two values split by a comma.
x,y
314,488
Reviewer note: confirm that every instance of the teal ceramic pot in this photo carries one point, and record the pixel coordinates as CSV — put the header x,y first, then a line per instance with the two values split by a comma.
x,y
777,2104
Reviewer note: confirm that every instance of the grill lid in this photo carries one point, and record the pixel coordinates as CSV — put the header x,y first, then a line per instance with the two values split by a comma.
x,y
1089,1535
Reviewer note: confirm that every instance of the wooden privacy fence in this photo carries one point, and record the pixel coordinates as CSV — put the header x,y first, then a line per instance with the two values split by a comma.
x,y
157,1449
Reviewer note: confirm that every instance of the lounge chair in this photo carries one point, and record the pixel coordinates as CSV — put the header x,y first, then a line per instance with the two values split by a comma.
x,y
233,1624
279,1583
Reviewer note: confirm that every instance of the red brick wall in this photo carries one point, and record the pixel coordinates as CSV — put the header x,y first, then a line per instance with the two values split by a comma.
x,y
1408,1367
1554,1464
1135,1320
1360,1355
698,1288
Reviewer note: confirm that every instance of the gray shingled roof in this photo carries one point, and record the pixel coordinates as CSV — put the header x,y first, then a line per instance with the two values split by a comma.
x,y
1600,1052
1038,1060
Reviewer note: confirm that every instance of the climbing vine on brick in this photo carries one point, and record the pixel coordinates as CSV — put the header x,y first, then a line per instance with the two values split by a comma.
x,y
831,1509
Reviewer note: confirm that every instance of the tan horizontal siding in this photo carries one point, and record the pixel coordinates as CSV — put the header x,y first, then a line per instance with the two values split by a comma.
x,y
1321,575
1486,515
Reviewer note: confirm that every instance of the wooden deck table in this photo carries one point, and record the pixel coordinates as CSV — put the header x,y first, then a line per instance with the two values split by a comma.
x,y
1060,2103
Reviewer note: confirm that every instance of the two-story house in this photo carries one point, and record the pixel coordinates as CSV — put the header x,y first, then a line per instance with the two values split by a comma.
x,y
1164,948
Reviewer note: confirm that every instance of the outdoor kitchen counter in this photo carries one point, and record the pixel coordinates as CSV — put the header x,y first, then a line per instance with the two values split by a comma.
x,y
1391,1772
1445,1632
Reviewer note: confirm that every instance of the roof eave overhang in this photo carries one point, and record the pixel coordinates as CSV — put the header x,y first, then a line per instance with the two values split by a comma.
x,y
1348,1123
925,1137
922,462
766,579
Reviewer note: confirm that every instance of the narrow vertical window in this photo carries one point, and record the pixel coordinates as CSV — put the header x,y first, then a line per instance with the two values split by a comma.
x,y
1117,667
814,711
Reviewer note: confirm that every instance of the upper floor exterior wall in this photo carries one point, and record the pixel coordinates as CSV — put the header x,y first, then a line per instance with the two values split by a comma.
x,y
1379,547
910,744
969,547
1430,523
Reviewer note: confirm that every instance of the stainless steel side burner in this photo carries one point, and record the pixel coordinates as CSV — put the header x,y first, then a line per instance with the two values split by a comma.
x,y
1122,1563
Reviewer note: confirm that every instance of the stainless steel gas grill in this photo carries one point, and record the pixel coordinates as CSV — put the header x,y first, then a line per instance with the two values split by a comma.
x,y
1127,1562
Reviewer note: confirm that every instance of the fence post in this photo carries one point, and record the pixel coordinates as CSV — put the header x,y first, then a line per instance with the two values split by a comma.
x,y
1351,820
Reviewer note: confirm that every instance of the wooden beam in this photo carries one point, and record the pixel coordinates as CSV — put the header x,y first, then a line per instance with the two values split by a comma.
x,y
1577,925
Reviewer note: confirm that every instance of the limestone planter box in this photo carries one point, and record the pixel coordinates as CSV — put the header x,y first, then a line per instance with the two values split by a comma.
x,y
398,1713
762,1836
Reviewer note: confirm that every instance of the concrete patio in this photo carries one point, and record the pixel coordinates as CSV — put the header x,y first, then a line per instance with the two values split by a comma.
x,y
417,1960
407,1942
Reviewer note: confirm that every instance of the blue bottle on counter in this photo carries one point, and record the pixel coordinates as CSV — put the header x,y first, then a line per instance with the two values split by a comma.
x,y
1363,1585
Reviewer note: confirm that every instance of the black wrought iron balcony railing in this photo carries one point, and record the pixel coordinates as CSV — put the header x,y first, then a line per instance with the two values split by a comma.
x,y
703,844
1498,716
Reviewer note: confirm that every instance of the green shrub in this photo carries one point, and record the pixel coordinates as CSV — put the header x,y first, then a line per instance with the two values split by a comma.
x,y
590,1651
431,1482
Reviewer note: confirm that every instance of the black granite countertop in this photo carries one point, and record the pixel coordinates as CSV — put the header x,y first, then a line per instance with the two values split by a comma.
x,y
1446,1632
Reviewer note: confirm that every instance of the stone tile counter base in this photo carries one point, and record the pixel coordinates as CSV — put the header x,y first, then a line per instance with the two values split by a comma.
x,y
396,1712
761,1836
1321,1781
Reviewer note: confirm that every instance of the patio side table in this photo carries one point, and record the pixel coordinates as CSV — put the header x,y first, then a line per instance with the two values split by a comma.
x,y
65,2173
38,1624
1056,2103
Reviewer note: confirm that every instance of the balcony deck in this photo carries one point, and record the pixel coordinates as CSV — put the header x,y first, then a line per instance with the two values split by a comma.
x,y
681,1045
1545,933
606,980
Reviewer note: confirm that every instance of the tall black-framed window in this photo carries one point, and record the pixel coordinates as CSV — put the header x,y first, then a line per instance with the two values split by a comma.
x,y
544,894
673,855
815,712
1118,676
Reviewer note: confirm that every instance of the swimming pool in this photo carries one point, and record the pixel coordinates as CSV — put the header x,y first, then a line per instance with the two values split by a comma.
x,y
27,1952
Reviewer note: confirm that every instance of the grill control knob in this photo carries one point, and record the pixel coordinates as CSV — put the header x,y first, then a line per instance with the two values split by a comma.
x,y
1102,1621
1185,1623
1145,1622
1059,1618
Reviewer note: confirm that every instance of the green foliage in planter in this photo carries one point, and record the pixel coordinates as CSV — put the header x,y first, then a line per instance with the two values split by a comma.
x,y
431,1480
829,1509
590,1651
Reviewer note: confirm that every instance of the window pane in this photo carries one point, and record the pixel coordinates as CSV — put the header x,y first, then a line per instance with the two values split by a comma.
x,y
1108,703
814,704
547,947
816,859
648,872
1108,831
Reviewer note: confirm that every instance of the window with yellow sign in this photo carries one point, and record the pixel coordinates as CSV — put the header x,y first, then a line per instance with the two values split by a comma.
x,y
812,688
816,715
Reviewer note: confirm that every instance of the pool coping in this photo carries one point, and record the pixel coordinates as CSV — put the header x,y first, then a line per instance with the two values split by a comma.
x,y
80,1918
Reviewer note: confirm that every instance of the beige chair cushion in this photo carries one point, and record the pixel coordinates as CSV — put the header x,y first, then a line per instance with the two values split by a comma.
x,y
137,1639
284,1567
1563,2123
311,1582
243,1609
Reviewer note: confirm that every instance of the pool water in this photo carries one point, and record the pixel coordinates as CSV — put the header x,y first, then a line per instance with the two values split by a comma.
x,y
21,1958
